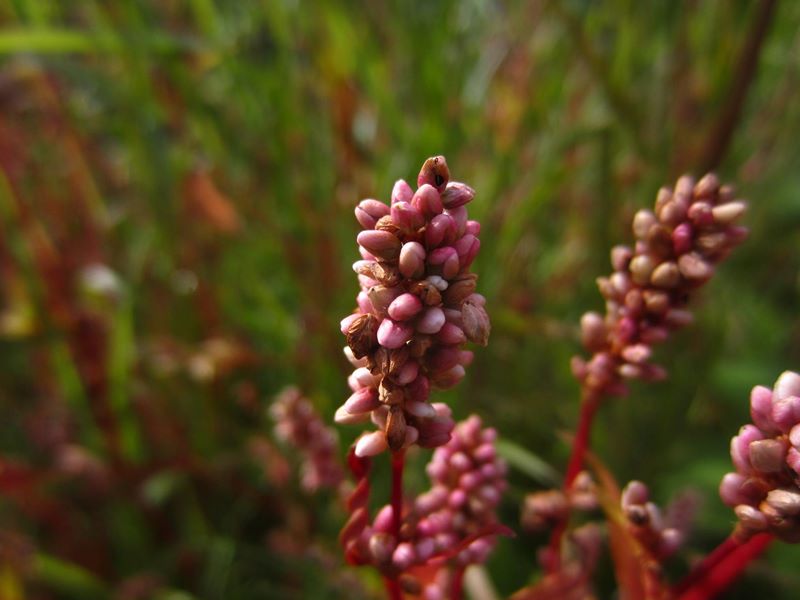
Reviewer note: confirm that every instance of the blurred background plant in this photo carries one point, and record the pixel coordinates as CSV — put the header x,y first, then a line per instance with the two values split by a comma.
x,y
177,181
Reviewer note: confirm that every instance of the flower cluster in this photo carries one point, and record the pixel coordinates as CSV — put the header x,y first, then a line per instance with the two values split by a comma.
x,y
690,230
766,454
298,425
646,523
416,308
453,524
545,509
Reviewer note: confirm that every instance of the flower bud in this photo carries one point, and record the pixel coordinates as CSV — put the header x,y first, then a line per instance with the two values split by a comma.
x,y
401,192
427,201
381,244
369,211
431,320
404,307
457,194
371,444
767,456
392,334
693,266
412,260
729,212
434,172
406,216
444,261
666,275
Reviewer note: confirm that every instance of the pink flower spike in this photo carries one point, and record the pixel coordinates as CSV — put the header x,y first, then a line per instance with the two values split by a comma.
x,y
393,335
404,307
401,192
371,444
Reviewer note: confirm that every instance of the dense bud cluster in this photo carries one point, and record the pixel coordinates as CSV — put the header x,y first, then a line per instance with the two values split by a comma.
x,y
677,245
416,308
766,454
298,425
647,524
545,509
452,524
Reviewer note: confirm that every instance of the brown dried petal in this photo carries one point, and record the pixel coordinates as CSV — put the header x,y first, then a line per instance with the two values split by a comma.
x,y
396,428
476,323
362,335
459,289
427,292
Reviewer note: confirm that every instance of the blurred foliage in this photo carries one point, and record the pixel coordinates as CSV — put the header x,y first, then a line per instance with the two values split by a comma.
x,y
176,192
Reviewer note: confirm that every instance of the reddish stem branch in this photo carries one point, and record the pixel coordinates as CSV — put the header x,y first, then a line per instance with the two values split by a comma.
x,y
457,589
398,464
590,401
721,568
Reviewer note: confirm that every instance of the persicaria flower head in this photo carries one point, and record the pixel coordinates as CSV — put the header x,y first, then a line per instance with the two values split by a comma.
x,y
691,228
766,455
655,531
416,309
453,524
299,425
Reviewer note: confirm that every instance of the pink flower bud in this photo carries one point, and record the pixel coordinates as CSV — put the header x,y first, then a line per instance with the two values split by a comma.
x,y
407,373
412,260
427,201
451,334
434,172
431,320
457,194
369,211
730,489
392,334
406,216
459,215
788,384
401,192
682,239
761,408
419,389
740,444
384,519
362,401
473,227
785,411
342,417
371,444
767,456
404,307
380,243
403,556
381,547
444,261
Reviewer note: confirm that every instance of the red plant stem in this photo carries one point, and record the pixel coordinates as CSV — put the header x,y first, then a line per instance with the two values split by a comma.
x,y
590,401
721,568
398,464
457,589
